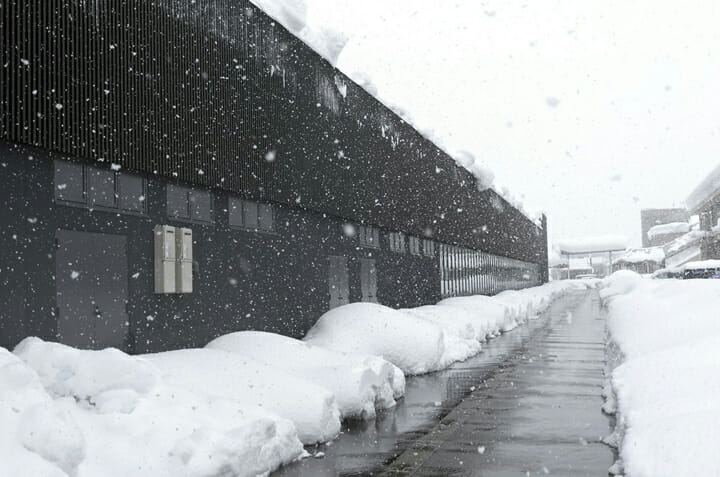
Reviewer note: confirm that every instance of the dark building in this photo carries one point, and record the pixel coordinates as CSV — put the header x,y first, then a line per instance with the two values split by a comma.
x,y
650,218
173,171
705,202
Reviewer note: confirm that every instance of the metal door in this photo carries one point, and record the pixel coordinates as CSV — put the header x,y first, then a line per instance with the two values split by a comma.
x,y
338,282
91,288
368,280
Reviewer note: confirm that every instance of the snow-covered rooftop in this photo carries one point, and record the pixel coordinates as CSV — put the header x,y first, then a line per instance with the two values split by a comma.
x,y
593,244
707,188
639,255
683,241
671,228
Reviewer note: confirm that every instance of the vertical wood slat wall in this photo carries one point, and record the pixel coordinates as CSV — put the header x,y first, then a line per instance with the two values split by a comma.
x,y
184,90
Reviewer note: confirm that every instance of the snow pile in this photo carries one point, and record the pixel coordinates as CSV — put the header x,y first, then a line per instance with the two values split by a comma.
x,y
414,345
311,408
87,413
293,15
671,228
361,384
684,241
593,244
430,338
667,334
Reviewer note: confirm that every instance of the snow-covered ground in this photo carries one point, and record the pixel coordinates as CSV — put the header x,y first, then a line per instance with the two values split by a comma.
x,y
665,344
243,405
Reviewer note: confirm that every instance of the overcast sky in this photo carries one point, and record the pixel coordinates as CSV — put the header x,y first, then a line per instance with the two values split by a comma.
x,y
589,111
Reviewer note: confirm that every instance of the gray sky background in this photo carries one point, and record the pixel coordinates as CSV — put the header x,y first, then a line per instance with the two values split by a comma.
x,y
589,111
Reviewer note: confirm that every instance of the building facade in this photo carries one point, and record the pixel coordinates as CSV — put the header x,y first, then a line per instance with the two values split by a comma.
x,y
173,171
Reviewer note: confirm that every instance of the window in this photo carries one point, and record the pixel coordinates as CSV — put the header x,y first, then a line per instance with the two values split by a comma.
x,y
428,248
397,242
101,188
414,246
186,203
369,236
82,185
246,214
69,182
131,192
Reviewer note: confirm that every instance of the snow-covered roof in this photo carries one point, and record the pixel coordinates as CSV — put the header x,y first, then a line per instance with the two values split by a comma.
x,y
707,188
671,228
702,265
683,241
639,255
593,244
329,43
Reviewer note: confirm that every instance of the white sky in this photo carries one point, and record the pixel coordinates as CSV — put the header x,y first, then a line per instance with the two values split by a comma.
x,y
589,111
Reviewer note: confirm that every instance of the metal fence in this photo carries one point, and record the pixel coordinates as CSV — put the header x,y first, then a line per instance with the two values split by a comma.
x,y
471,272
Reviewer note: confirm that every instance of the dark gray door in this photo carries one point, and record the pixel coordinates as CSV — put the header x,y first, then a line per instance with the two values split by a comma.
x,y
338,282
91,283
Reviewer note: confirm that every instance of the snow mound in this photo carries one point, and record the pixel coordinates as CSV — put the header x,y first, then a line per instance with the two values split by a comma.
x,y
668,333
106,413
311,408
361,384
414,345
37,438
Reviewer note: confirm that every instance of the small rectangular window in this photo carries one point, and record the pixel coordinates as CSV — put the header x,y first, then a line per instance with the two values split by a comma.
x,y
414,246
235,212
101,188
69,182
369,236
177,201
200,205
250,214
265,217
131,191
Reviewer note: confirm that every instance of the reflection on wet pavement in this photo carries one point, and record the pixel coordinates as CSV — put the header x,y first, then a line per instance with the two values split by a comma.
x,y
367,448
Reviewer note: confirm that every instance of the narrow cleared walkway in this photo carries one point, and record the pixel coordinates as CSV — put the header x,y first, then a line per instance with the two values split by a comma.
x,y
538,413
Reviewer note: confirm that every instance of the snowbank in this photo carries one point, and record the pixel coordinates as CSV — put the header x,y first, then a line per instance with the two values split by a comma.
x,y
361,384
430,338
667,333
311,408
89,413
414,345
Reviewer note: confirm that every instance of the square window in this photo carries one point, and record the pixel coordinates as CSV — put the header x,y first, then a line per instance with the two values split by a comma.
x,y
69,182
101,188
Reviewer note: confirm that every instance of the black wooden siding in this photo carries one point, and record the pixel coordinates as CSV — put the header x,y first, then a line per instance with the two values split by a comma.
x,y
201,91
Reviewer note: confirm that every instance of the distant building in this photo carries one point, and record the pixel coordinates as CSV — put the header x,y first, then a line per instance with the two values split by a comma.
x,y
705,202
651,219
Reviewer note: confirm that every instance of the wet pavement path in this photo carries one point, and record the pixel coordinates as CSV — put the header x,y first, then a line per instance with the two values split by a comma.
x,y
528,404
